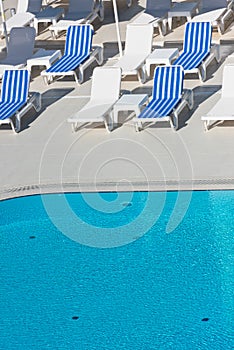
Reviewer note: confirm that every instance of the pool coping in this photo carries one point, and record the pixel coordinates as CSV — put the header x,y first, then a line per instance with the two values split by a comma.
x,y
110,186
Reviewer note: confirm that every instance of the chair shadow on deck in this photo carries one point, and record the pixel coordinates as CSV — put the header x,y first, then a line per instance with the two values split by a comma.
x,y
48,98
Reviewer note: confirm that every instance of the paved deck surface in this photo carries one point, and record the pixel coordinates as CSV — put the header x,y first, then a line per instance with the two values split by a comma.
x,y
47,156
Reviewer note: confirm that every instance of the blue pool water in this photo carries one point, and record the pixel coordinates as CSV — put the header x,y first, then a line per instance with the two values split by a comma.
x,y
157,290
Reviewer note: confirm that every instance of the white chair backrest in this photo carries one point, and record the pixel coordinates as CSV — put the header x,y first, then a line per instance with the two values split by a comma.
x,y
227,84
21,43
139,39
106,84
22,6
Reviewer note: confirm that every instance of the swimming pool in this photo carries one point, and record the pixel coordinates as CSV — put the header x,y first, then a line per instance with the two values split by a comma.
x,y
158,291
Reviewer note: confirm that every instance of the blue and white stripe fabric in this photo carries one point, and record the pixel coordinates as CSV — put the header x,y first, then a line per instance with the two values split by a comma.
x,y
77,49
14,93
197,42
167,91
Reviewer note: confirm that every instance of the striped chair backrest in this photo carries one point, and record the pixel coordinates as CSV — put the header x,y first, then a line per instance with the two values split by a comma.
x,y
15,86
168,82
197,37
78,40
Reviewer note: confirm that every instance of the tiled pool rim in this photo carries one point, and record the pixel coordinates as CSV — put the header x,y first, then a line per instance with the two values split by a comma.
x,y
112,186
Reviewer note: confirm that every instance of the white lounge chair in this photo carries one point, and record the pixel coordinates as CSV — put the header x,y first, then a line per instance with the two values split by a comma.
x,y
21,18
105,92
44,14
224,108
20,48
15,100
138,46
155,13
79,12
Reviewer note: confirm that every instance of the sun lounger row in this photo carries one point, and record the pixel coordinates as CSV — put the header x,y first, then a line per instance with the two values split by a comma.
x,y
79,53
167,101
160,13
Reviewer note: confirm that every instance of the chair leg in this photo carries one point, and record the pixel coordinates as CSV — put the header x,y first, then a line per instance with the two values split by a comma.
x,y
14,128
108,124
206,125
141,73
138,126
202,72
101,12
174,121
80,77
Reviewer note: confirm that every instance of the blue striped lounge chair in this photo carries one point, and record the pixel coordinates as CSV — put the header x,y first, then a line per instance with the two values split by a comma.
x,y
168,99
15,100
78,54
197,53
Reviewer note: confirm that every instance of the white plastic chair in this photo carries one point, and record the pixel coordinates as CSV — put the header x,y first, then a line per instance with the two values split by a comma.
x,y
138,46
21,18
105,92
224,108
20,48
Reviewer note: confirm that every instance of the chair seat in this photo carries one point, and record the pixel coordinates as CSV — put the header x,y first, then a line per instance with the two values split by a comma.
x,y
67,63
159,108
129,63
190,60
222,109
93,111
7,109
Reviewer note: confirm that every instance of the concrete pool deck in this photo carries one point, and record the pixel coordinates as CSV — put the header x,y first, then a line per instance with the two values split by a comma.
x,y
46,156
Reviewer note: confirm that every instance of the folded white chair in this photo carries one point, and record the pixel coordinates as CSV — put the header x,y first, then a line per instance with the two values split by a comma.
x,y
20,48
138,46
224,108
105,92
